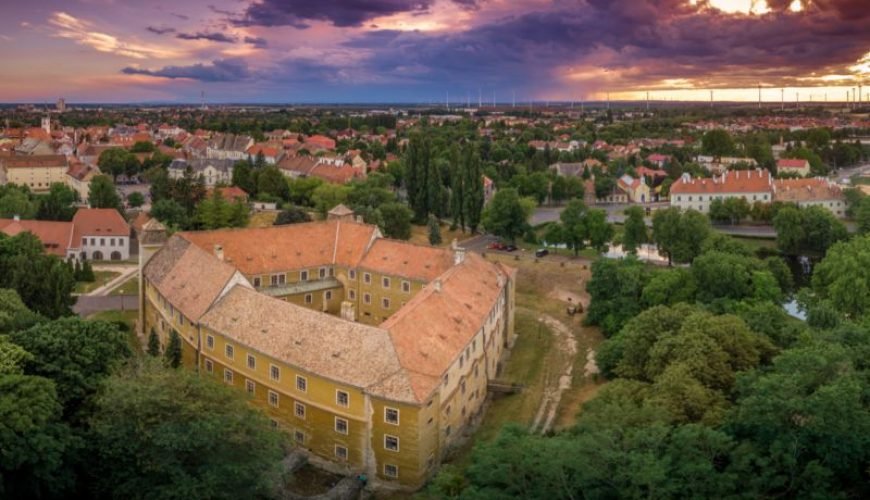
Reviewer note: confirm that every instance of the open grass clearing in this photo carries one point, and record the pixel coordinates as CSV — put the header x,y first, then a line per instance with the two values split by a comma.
x,y
129,287
100,279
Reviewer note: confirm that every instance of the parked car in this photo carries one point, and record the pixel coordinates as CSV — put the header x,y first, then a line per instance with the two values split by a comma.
x,y
542,252
510,248
496,245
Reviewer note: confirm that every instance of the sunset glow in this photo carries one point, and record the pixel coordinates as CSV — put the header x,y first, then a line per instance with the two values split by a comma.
x,y
416,51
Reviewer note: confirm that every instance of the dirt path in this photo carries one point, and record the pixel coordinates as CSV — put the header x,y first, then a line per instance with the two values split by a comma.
x,y
558,378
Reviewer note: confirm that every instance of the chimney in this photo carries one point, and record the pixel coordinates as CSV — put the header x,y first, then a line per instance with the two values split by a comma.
x,y
16,217
219,252
458,253
437,285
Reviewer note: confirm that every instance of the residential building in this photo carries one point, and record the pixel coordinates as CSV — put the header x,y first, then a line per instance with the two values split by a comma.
x,y
693,193
38,172
79,177
659,160
271,153
332,169
811,192
94,234
99,234
373,354
793,166
229,147
211,171
719,164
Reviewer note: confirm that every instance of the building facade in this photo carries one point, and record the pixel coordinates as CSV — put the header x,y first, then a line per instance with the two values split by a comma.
x,y
38,172
697,194
372,354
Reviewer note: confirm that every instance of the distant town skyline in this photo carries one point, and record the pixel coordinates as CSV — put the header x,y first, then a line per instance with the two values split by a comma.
x,y
283,51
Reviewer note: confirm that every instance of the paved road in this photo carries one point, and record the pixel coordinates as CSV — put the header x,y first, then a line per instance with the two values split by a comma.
x,y
86,305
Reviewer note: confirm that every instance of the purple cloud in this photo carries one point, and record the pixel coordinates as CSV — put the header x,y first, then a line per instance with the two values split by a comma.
x,y
341,13
160,31
256,41
220,70
214,37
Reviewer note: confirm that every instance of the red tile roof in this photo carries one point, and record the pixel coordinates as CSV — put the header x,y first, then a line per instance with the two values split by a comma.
x,y
55,236
732,181
792,163
98,222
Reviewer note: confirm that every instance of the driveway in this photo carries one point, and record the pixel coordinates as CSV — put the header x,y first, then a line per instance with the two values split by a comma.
x,y
88,305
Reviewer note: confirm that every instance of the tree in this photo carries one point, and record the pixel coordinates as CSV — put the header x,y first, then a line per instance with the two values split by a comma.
x,y
136,199
574,225
33,439
44,282
271,182
843,277
634,230
679,235
434,231
14,314
810,230
117,161
670,287
458,178
173,432
143,147
153,344
58,204
615,290
76,354
598,230
396,220
507,215
328,196
87,273
17,202
173,350
244,177
103,194
717,143
292,215
862,215
170,213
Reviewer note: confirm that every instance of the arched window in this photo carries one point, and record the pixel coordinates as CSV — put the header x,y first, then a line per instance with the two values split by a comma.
x,y
116,255
97,255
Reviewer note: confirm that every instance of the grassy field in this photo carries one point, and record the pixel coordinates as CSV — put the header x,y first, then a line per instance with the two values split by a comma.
x,y
102,277
420,235
129,287
262,219
542,289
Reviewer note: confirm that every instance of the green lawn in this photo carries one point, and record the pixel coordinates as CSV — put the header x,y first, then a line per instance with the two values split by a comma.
x,y
101,278
129,287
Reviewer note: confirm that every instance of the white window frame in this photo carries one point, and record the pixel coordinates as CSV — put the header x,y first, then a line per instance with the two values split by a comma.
x,y
389,436
252,362
299,410
352,274
228,376
229,351
346,430
209,341
304,384
273,369
367,278
386,282
385,303
250,386
209,366
272,395
303,275
339,455
387,420
395,471
339,392
406,286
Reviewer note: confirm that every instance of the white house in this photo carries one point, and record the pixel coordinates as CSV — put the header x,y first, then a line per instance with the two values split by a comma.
x,y
99,234
696,194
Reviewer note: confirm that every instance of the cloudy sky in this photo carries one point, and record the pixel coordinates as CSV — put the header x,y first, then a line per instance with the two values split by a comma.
x,y
419,50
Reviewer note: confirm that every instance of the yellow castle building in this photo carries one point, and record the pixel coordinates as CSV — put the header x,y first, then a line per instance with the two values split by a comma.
x,y
373,354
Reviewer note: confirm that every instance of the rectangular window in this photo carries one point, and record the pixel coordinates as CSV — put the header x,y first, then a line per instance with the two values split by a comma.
x,y
391,416
340,452
342,398
228,376
250,386
351,294
309,298
340,425
321,272
385,303
209,366
111,242
274,372
391,471
257,282
84,241
352,274
273,399
303,275
229,351
252,362
299,410
367,298
279,279
300,437
209,341
386,282
301,383
327,295
367,278
406,286
391,442
93,242
102,242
